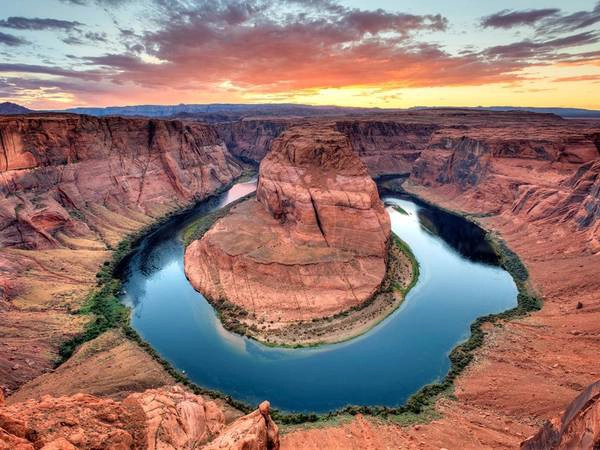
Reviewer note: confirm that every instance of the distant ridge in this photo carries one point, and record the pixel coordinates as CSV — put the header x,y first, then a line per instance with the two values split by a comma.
x,y
233,111
226,109
562,112
13,108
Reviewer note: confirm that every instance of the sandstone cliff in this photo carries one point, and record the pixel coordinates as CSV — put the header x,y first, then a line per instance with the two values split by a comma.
x,y
534,168
312,244
66,179
169,418
251,139
385,144
578,428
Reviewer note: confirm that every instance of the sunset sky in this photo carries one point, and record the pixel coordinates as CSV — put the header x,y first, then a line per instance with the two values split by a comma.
x,y
387,53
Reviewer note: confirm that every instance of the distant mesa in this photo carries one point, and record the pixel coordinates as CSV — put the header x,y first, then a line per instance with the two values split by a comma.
x,y
13,108
314,241
222,112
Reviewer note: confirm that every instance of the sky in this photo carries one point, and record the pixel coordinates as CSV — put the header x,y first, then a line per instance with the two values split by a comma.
x,y
57,54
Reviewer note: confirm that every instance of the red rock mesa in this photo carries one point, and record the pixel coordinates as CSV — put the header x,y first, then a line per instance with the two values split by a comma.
x,y
312,243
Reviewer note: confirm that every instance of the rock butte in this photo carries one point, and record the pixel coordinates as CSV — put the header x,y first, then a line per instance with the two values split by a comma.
x,y
312,244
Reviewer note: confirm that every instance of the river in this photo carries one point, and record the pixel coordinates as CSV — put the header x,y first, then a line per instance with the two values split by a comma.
x,y
460,280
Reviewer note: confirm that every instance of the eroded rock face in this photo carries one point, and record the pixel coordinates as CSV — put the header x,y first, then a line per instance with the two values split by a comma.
x,y
387,146
254,431
67,180
313,182
168,418
314,241
579,426
251,139
71,187
533,168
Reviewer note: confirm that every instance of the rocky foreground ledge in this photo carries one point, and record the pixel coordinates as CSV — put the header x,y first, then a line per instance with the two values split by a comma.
x,y
168,418
313,244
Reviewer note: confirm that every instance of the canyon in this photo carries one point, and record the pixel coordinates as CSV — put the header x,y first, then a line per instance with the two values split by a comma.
x,y
73,186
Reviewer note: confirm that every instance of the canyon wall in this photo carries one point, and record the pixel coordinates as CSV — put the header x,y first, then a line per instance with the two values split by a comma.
x,y
71,187
535,169
66,179
385,145
250,139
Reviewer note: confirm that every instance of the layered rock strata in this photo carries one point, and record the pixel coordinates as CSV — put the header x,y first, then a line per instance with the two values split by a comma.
x,y
71,187
312,243
67,180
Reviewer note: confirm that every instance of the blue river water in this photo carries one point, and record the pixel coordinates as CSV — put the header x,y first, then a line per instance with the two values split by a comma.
x,y
459,281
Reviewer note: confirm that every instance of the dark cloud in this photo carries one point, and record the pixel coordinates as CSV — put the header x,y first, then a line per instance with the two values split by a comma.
x,y
533,50
572,22
510,19
89,37
73,40
547,21
90,75
10,40
136,48
122,62
93,36
25,23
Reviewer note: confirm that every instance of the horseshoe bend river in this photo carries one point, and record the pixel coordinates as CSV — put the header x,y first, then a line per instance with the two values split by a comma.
x,y
460,280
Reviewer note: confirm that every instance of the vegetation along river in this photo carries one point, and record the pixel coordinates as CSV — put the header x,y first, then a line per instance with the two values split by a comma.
x,y
459,280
